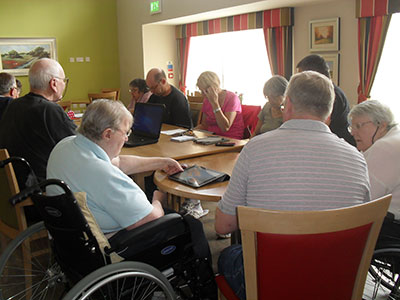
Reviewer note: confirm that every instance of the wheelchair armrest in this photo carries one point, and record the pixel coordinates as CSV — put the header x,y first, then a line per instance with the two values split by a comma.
x,y
149,234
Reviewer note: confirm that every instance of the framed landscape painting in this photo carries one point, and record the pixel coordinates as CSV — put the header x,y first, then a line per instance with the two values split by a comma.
x,y
333,62
324,35
18,54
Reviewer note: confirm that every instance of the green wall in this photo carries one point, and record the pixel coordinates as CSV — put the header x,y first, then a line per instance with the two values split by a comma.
x,y
82,28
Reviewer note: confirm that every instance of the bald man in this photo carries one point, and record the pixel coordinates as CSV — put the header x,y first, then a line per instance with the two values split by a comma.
x,y
32,125
177,107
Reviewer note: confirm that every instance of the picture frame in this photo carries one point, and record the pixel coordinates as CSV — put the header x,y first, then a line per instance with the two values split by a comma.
x,y
324,35
334,66
18,54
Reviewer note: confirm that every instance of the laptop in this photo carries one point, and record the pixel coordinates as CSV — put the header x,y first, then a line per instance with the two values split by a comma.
x,y
146,124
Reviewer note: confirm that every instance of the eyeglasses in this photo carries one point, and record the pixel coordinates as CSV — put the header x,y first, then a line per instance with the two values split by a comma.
x,y
127,134
65,79
358,126
154,87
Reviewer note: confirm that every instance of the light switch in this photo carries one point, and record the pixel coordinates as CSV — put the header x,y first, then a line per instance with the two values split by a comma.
x,y
71,59
79,59
87,59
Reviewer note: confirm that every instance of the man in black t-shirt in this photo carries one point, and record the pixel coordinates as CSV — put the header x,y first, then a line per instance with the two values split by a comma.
x,y
177,107
33,124
341,108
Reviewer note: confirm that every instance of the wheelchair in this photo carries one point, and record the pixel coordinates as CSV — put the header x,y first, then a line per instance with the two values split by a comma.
x,y
73,265
383,280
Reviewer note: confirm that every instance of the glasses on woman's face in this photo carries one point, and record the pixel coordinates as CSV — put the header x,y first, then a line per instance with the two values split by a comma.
x,y
127,134
357,126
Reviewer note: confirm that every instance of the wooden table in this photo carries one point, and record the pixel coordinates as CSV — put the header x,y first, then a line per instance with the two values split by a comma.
x,y
166,148
223,162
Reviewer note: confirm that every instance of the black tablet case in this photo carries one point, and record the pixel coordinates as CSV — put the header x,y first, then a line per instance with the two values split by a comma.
x,y
198,176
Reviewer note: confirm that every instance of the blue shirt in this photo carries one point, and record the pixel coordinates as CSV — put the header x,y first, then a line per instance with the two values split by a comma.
x,y
114,199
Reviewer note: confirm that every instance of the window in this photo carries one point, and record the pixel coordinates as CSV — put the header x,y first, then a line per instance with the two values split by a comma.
x,y
239,58
385,86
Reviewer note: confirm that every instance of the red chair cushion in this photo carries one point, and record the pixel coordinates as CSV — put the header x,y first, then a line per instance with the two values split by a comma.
x,y
313,266
225,288
249,114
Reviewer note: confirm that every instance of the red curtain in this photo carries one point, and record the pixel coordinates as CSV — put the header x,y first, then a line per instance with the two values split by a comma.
x,y
371,39
279,43
373,23
183,53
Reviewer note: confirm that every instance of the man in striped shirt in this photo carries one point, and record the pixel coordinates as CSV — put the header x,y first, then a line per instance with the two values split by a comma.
x,y
300,166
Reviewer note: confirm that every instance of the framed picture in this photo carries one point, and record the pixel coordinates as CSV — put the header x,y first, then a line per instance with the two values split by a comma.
x,y
18,54
333,62
324,35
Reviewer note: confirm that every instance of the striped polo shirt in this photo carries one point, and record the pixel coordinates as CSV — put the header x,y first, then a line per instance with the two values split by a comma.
x,y
301,165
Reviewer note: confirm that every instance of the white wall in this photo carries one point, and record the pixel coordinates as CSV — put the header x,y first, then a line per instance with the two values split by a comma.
x,y
137,37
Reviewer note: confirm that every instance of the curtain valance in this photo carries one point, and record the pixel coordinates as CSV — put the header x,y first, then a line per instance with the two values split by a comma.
x,y
373,8
263,19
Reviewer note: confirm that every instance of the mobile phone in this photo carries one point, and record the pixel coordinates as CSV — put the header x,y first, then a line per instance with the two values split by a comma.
x,y
225,144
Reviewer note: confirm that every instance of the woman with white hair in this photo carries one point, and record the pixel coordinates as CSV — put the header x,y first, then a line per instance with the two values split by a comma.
x,y
270,117
378,138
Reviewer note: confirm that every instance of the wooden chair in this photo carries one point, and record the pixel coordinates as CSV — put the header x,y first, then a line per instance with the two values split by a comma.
x,y
12,218
309,254
111,90
108,95
196,105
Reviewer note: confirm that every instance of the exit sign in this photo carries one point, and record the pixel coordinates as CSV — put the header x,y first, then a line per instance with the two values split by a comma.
x,y
155,7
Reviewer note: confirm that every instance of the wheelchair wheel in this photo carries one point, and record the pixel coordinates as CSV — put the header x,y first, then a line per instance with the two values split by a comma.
x,y
28,269
124,280
383,276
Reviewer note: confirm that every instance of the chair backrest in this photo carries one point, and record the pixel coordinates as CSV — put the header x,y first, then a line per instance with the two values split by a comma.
x,y
108,95
66,105
250,119
309,254
76,248
196,105
111,90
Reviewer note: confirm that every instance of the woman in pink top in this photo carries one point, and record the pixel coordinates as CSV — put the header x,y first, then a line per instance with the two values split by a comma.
x,y
222,111
139,91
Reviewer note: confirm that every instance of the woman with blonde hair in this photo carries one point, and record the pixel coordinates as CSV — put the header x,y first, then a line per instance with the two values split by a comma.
x,y
222,111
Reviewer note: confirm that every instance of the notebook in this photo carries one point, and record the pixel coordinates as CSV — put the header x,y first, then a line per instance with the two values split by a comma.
x,y
146,124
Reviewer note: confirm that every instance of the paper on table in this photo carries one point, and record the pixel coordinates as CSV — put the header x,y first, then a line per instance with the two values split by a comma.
x,y
173,131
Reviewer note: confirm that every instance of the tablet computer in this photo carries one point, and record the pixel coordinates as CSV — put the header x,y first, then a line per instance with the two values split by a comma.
x,y
198,176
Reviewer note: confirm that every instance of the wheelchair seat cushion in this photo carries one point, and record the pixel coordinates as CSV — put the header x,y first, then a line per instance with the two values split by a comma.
x,y
94,227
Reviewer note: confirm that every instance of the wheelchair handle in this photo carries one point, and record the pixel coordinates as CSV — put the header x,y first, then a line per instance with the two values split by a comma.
x,y
38,188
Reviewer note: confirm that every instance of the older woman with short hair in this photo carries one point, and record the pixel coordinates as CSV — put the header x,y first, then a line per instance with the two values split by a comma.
x,y
140,93
222,111
378,137
270,117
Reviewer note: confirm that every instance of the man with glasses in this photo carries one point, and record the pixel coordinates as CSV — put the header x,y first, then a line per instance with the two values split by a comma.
x,y
8,90
177,107
33,125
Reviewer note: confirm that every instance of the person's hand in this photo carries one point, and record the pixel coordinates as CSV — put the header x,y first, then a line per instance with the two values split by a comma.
x,y
171,166
212,96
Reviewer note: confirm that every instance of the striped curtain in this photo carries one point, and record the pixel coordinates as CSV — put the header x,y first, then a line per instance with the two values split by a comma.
x,y
183,53
277,25
373,23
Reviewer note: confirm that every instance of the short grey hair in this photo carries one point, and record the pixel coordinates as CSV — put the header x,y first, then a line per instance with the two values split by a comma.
x,y
102,114
7,82
312,93
40,75
376,111
275,86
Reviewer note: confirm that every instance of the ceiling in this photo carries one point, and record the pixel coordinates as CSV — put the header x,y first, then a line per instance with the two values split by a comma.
x,y
246,8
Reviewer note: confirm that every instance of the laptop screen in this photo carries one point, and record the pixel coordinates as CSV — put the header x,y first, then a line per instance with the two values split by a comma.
x,y
148,119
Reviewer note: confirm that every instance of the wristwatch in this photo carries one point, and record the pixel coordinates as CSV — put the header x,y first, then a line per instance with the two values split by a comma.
x,y
217,109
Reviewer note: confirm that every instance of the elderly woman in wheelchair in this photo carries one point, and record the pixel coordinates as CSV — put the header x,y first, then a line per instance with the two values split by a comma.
x,y
137,229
